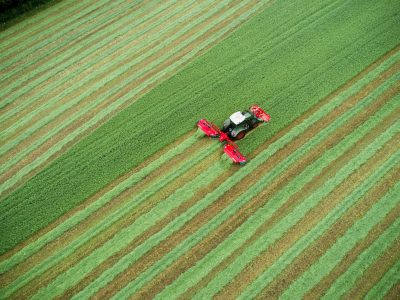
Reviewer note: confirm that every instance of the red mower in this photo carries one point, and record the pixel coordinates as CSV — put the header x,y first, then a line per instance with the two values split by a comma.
x,y
235,128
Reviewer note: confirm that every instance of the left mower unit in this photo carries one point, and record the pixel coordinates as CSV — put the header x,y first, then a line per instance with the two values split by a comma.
x,y
235,128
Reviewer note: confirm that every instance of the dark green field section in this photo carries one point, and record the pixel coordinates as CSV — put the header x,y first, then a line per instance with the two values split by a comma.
x,y
286,59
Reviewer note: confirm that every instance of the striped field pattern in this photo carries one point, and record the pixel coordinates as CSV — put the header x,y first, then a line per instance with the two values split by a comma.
x,y
315,213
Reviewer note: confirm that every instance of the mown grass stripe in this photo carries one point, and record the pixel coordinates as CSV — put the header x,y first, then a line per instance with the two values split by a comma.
x,y
115,105
337,252
387,282
21,50
60,66
121,239
87,47
183,194
256,287
36,22
71,56
346,281
226,213
268,210
35,246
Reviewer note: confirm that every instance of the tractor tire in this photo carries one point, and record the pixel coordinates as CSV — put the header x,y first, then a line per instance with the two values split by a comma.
x,y
240,135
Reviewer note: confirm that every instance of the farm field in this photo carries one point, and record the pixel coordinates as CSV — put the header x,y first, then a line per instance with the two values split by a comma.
x,y
107,191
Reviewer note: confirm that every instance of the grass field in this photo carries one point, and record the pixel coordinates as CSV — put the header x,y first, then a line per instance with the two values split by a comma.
x,y
107,190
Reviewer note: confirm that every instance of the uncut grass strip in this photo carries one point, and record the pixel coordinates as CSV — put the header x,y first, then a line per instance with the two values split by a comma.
x,y
104,224
35,24
344,201
116,189
306,176
154,210
230,210
375,272
120,101
89,50
388,286
386,242
59,31
338,251
117,86
69,236
59,66
118,242
293,171
185,194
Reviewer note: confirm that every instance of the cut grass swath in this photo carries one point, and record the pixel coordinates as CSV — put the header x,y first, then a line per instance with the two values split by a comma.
x,y
388,281
346,281
338,251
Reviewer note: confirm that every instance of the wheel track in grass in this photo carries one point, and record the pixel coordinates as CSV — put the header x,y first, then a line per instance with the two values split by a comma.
x,y
261,199
167,75
286,148
155,163
324,242
101,239
203,249
375,272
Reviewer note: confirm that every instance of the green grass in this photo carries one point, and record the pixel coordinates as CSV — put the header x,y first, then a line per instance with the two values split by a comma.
x,y
389,280
260,68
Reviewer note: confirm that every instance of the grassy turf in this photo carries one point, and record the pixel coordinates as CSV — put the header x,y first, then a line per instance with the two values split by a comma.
x,y
293,70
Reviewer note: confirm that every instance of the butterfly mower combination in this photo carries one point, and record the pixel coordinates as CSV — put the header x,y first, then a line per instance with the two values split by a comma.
x,y
235,128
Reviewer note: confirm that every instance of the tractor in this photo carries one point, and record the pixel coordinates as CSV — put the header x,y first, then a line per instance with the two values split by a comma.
x,y
235,128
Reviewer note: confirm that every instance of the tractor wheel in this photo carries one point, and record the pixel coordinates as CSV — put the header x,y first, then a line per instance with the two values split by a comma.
x,y
240,135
